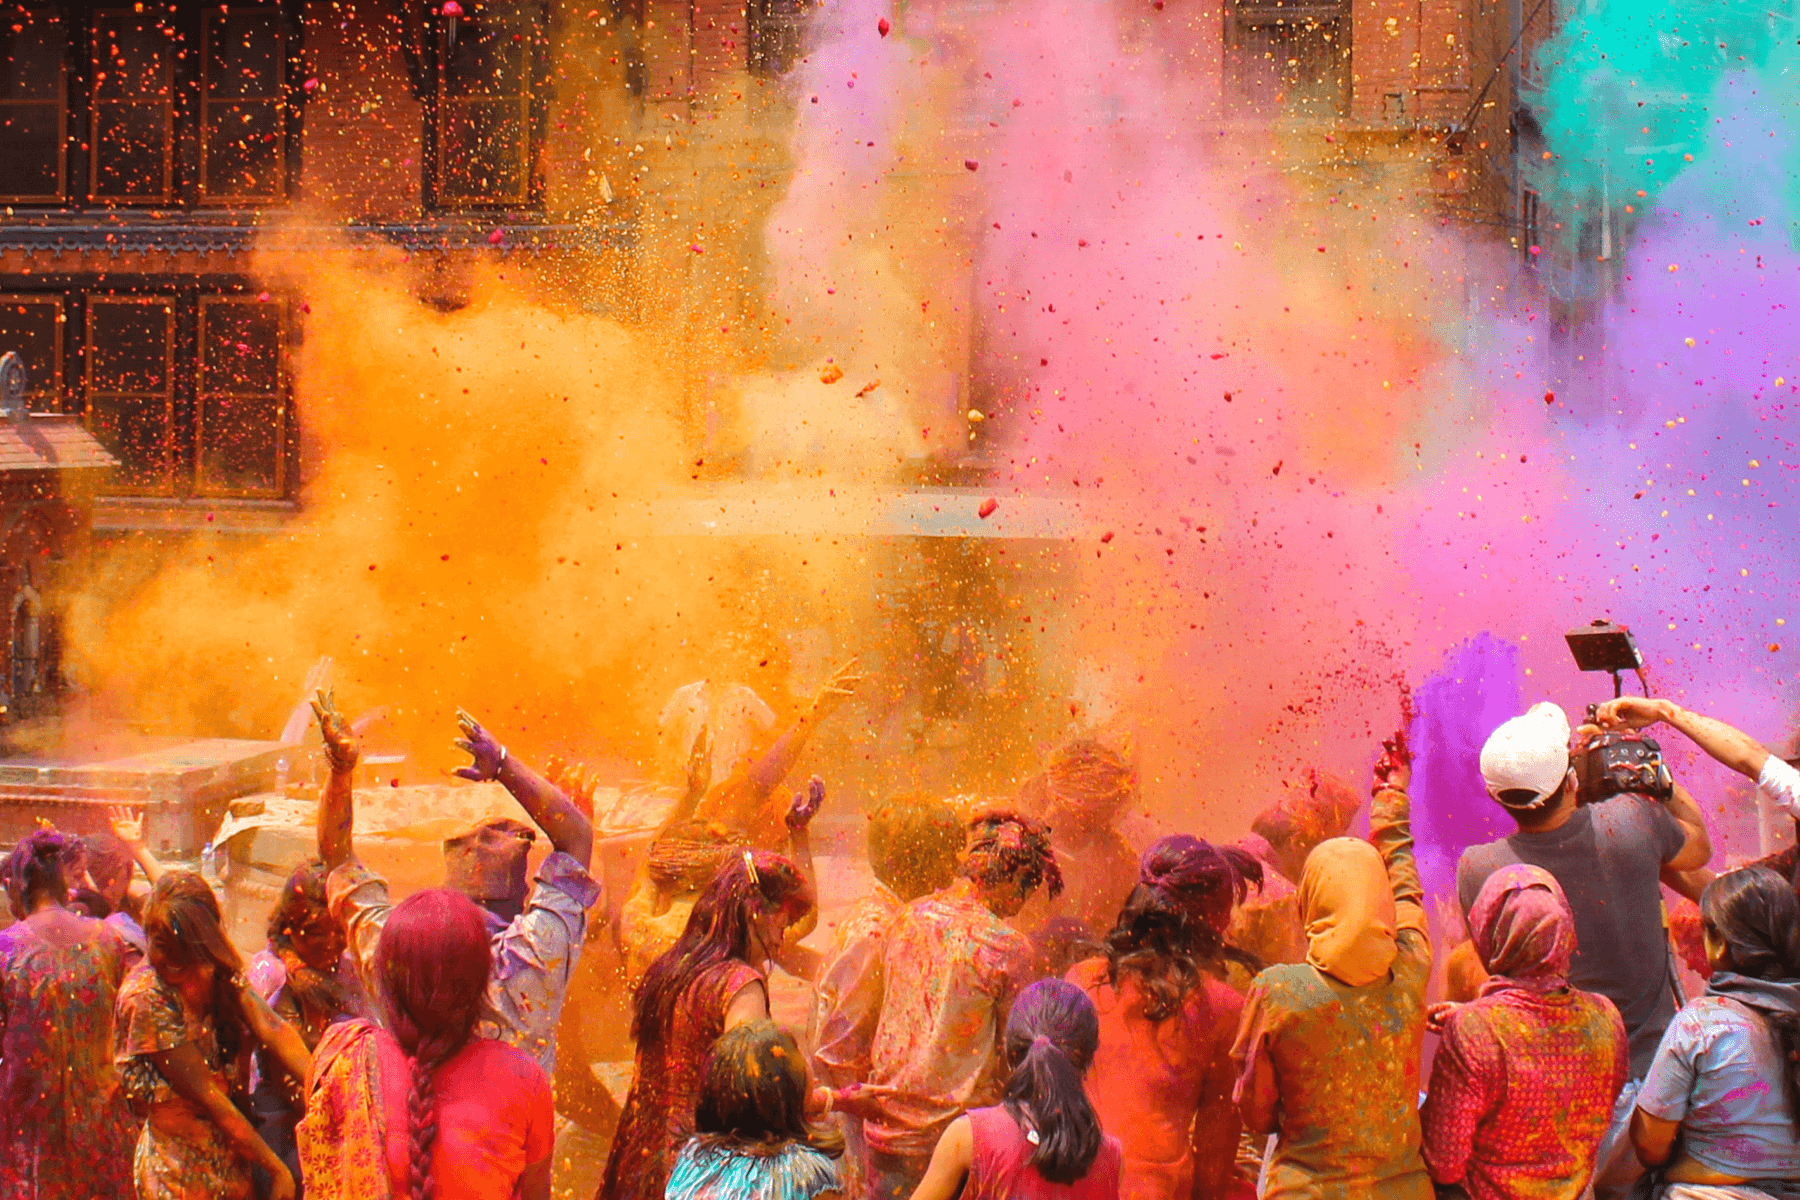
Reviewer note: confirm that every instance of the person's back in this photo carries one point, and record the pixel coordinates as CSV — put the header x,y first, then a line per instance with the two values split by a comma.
x,y
493,1115
1524,1077
1550,1066
1001,1169
64,1127
1329,1048
1606,857
950,967
1150,1077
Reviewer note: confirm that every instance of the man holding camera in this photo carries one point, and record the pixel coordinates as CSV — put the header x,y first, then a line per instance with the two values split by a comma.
x,y
1609,858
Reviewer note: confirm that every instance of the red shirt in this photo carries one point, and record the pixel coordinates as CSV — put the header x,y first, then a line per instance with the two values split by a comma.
x,y
1001,1167
493,1119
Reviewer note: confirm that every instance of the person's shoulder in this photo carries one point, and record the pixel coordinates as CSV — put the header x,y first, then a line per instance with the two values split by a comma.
x,y
503,1071
143,983
1088,974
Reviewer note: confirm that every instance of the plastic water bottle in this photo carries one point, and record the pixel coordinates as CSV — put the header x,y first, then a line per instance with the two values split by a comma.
x,y
209,869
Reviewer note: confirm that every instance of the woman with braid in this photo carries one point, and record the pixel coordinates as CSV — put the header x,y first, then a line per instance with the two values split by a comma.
x,y
426,1108
1163,1075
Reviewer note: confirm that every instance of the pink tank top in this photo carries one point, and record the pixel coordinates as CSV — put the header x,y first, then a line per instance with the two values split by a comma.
x,y
1002,1170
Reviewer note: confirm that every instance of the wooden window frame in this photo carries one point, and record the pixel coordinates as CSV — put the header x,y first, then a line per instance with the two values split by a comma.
x,y
171,464
96,104
283,394
532,100
61,195
60,302
279,101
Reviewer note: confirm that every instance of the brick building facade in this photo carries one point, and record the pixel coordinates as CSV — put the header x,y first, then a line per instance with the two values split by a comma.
x,y
144,147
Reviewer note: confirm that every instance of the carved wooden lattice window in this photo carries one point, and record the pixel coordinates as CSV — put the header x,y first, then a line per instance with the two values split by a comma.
x,y
33,105
484,94
129,388
32,326
241,417
133,121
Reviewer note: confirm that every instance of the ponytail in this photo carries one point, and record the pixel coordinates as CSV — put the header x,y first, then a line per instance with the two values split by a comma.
x,y
1051,1037
1169,930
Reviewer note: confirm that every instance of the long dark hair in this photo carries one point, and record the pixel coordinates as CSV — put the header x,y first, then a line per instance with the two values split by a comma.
x,y
1754,914
755,1091
1168,931
183,928
302,902
750,885
1051,1037
38,867
432,966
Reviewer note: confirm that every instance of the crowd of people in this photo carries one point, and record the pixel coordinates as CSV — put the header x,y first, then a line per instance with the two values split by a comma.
x,y
1018,1007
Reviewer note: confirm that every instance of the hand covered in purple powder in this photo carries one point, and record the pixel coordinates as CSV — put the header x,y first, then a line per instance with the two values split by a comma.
x,y
481,746
806,805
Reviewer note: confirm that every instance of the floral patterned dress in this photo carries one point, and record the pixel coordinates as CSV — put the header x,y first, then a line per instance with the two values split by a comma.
x,y
65,1133
182,1154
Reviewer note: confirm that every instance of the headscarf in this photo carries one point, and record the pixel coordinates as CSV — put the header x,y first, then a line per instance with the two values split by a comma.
x,y
1347,907
1523,929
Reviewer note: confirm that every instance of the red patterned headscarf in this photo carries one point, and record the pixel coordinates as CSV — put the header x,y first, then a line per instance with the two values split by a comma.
x,y
1523,930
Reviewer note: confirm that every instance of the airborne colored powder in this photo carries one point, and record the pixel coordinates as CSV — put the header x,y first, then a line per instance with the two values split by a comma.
x,y
1310,408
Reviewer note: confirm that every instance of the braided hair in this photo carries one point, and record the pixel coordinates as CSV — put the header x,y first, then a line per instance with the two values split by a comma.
x,y
432,966
1171,928
1008,846
1754,914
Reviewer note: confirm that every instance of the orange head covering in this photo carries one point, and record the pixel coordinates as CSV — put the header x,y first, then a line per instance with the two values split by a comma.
x,y
1347,907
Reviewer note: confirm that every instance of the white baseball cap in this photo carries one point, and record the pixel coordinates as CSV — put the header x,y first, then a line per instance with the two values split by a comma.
x,y
1529,753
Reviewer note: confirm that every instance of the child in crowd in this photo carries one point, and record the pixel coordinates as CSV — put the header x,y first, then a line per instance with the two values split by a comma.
x,y
752,1139
1043,1141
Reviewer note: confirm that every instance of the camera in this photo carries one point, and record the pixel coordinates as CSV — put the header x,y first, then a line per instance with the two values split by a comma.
x,y
1616,762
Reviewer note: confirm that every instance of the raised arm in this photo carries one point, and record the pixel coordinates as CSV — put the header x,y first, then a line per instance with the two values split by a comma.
x,y
568,829
795,958
128,827
768,771
1390,823
1728,745
337,812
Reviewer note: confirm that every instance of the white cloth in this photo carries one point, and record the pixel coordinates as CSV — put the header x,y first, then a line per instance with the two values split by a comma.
x,y
736,719
1779,784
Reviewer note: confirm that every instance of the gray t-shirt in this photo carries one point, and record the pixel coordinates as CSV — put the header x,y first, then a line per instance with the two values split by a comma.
x,y
1606,857
1718,1072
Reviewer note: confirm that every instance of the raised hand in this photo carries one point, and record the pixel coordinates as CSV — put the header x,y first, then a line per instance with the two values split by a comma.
x,y
127,826
1630,712
837,689
806,805
576,782
699,765
480,745
342,747
1394,768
